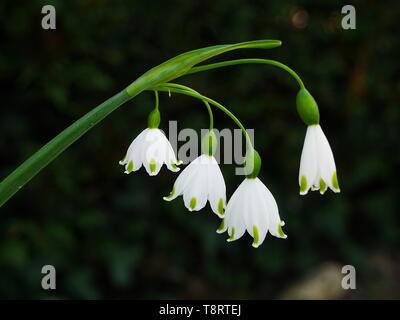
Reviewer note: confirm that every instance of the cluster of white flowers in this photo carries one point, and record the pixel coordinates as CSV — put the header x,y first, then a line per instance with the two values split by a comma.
x,y
252,207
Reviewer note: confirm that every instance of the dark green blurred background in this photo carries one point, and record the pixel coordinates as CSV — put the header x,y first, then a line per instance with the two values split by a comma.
x,y
111,236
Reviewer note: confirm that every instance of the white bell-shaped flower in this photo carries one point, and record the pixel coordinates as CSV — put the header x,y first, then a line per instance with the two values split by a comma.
x,y
252,207
200,181
151,149
317,165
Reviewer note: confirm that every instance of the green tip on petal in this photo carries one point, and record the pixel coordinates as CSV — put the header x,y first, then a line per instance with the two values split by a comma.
x,y
322,186
335,182
123,160
192,203
231,238
256,237
171,194
280,231
174,166
153,165
129,169
221,207
221,227
303,185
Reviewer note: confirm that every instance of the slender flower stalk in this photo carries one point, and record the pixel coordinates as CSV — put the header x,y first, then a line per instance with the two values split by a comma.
x,y
248,61
167,88
170,86
201,180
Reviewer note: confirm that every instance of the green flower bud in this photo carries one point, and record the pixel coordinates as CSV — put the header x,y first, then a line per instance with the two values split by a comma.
x,y
209,143
307,107
252,164
153,120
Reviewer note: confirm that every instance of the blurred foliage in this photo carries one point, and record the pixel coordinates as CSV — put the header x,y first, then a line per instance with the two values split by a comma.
x,y
110,235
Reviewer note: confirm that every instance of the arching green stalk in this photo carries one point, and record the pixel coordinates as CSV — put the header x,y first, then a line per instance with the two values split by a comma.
x,y
157,100
181,64
168,88
244,61
180,86
27,170
210,115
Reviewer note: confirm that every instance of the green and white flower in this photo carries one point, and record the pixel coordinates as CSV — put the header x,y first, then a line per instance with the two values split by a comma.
x,y
252,207
200,181
317,165
151,149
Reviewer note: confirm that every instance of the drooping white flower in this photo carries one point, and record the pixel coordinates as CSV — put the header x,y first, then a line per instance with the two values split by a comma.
x,y
200,181
317,165
252,207
151,149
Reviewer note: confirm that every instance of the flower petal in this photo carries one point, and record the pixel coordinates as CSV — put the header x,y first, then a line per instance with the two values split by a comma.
x,y
183,180
308,162
216,188
195,192
275,222
234,213
133,159
134,146
256,216
326,161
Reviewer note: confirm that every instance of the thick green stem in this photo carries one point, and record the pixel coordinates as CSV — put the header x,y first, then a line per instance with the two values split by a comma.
x,y
244,61
166,87
27,170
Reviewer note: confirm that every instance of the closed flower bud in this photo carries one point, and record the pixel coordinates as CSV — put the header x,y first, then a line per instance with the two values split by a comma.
x,y
209,143
307,107
252,164
153,120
